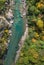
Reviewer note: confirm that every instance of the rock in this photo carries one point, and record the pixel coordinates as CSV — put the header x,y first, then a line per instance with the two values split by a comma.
x,y
9,15
6,21
11,21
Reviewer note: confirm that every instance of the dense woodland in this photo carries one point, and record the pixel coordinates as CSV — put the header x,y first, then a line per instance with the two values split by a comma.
x,y
32,52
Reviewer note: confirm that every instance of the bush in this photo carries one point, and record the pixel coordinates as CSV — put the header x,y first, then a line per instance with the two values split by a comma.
x,y
2,4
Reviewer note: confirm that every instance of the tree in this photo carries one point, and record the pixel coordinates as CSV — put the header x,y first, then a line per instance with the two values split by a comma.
x,y
2,4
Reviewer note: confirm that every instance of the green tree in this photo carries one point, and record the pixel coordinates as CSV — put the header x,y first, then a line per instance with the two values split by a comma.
x,y
2,4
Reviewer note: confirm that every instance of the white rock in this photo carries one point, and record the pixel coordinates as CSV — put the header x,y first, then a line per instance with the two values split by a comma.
x,y
11,21
10,10
10,31
24,13
8,41
9,15
3,19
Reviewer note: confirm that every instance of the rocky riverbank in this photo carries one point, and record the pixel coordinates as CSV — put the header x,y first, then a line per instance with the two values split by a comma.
x,y
6,21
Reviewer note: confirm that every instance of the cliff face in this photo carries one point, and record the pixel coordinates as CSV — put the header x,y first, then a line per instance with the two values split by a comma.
x,y
6,21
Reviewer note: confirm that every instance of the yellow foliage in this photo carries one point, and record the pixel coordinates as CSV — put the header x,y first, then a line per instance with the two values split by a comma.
x,y
21,54
36,35
42,38
34,40
40,23
42,32
35,55
39,5
6,31
3,38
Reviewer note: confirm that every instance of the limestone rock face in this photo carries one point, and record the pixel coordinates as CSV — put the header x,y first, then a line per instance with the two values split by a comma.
x,y
6,21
